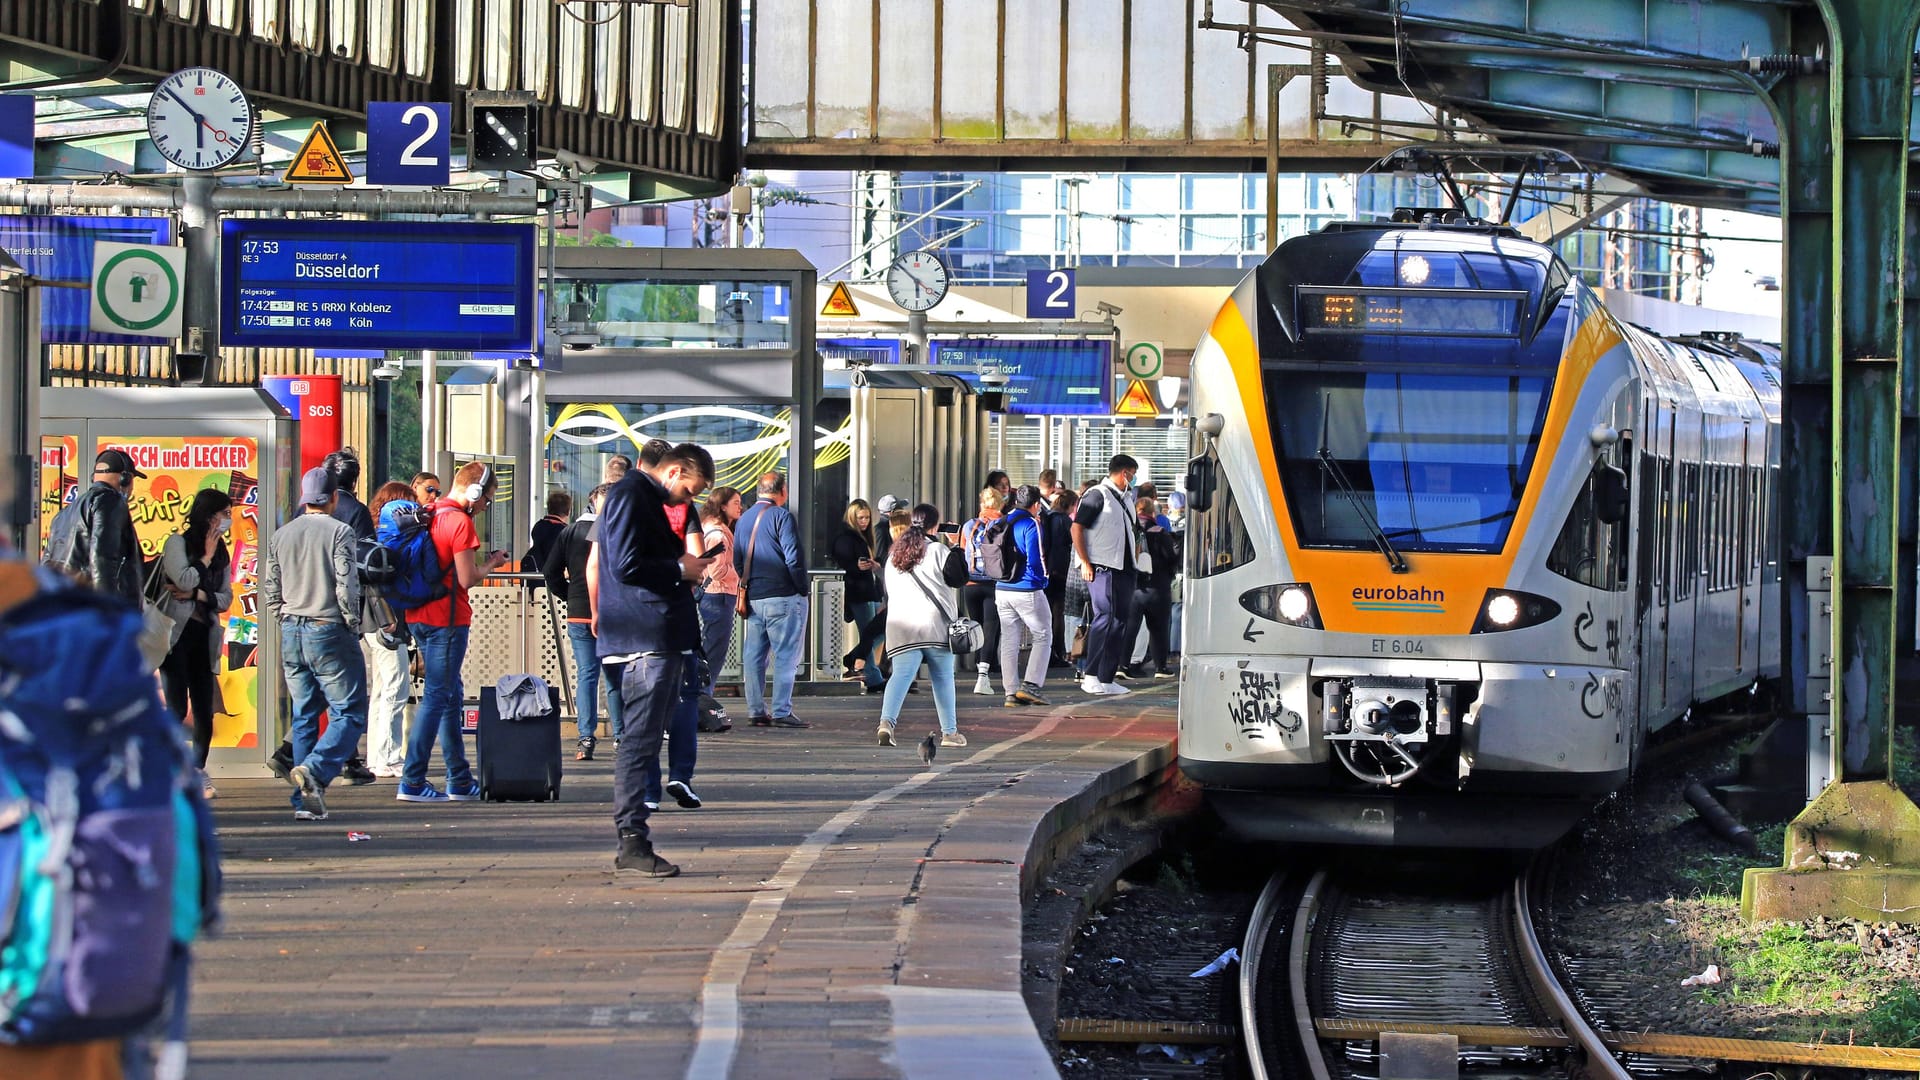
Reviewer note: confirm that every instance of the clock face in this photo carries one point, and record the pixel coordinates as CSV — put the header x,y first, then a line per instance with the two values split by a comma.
x,y
917,280
199,118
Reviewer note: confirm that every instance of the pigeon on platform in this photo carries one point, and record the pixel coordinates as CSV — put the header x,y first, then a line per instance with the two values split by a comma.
x,y
929,746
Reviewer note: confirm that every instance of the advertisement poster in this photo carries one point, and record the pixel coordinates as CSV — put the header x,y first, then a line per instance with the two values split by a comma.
x,y
177,468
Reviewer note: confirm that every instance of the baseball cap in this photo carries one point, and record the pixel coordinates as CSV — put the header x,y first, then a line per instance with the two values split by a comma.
x,y
889,503
116,461
317,486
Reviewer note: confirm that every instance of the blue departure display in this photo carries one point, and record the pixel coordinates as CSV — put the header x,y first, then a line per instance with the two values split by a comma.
x,y
1060,378
377,285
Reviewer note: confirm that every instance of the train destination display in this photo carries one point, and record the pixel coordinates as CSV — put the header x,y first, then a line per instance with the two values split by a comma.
x,y
1410,311
377,285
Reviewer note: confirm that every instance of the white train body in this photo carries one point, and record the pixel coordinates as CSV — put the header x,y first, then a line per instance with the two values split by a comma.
x,y
1461,541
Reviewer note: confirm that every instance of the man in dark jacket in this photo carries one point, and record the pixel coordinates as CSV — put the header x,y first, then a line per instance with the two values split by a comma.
x,y
776,587
1022,605
1056,542
344,467
566,574
105,546
648,625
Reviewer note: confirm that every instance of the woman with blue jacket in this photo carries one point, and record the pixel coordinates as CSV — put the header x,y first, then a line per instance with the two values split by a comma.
x,y
1025,615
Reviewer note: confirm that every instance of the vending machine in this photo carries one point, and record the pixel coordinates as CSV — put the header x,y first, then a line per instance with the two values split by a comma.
x,y
240,441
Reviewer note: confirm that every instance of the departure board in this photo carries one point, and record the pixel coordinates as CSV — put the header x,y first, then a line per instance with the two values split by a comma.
x,y
1411,311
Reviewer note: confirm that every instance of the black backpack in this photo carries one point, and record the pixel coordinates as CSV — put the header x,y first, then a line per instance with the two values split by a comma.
x,y
1000,556
66,540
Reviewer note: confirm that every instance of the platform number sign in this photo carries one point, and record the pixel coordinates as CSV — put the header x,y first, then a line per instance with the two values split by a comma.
x,y
1050,294
409,143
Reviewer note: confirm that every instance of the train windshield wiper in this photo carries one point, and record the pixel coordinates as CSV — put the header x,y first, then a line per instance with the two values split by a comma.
x,y
1331,466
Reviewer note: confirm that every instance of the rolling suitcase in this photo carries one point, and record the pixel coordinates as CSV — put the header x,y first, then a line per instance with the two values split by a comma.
x,y
519,759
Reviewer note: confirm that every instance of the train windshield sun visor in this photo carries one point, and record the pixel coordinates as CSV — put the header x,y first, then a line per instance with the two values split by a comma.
x,y
1405,461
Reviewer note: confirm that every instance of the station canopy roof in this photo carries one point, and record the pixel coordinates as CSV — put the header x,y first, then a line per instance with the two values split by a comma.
x,y
1671,97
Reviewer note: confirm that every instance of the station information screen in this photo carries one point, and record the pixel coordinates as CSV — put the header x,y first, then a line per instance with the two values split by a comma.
x,y
1411,311
377,285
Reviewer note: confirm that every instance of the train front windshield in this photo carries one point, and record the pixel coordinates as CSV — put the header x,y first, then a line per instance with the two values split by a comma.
x,y
1438,459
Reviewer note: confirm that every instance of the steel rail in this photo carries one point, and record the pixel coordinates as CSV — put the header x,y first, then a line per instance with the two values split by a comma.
x,y
1303,918
1601,1061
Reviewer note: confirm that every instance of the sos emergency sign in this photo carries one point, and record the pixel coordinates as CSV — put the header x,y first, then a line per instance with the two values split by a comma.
x,y
313,400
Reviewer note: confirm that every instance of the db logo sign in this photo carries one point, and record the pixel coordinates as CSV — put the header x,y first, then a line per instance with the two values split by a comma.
x,y
300,387
470,718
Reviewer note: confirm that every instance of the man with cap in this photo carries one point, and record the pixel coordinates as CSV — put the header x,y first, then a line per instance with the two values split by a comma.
x,y
308,586
105,547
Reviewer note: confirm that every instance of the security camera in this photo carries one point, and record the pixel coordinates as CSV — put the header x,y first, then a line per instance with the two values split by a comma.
x,y
580,166
389,371
1107,309
580,340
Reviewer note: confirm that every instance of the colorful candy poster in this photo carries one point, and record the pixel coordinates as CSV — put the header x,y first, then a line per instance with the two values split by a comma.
x,y
178,468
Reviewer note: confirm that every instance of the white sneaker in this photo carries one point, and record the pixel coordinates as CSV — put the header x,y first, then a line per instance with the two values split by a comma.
x,y
1112,688
984,684
1091,685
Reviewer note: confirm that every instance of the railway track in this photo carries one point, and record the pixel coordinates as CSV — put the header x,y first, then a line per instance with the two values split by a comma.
x,y
1334,975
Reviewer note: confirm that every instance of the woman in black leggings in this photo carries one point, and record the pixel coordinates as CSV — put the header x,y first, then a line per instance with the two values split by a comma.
x,y
200,588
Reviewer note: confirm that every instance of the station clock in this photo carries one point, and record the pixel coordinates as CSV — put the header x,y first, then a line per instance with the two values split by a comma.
x,y
199,119
917,280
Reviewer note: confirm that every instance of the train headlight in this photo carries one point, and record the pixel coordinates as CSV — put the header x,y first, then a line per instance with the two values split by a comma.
x,y
1289,602
1508,609
1294,603
1503,610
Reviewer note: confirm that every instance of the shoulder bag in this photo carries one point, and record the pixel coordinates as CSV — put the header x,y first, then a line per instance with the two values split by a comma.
x,y
963,634
156,634
741,605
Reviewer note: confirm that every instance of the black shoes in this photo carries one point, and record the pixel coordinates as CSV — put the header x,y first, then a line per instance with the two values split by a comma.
x,y
761,720
355,772
282,760
637,856
788,721
583,749
683,795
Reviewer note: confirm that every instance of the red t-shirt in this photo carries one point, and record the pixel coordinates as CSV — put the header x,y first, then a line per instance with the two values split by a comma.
x,y
677,518
452,532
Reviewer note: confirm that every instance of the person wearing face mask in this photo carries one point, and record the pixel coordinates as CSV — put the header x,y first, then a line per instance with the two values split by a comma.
x,y
105,550
199,583
440,629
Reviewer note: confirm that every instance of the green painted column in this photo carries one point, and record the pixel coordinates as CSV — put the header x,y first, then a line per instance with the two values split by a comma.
x,y
1872,55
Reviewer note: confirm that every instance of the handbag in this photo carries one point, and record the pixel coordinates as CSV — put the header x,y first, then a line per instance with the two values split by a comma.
x,y
741,606
156,630
1077,650
963,634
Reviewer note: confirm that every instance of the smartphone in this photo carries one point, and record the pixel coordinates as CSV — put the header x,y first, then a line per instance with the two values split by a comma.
x,y
947,527
716,550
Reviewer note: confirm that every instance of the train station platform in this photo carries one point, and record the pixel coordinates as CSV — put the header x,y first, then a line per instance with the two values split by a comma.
x,y
842,910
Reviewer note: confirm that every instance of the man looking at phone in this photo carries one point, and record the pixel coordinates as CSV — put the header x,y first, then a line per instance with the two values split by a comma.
x,y
440,630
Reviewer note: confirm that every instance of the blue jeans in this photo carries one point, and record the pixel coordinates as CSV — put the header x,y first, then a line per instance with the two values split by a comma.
x,y
324,670
716,632
442,650
616,716
905,666
866,623
650,687
586,678
683,737
780,624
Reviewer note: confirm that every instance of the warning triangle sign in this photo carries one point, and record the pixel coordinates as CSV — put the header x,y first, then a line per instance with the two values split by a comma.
x,y
318,161
1137,401
840,302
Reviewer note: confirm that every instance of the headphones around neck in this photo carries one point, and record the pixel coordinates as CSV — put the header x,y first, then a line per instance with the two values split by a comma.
x,y
478,489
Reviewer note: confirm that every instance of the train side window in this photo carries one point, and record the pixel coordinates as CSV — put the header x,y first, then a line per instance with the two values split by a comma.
x,y
1649,529
1217,538
1686,556
1591,549
1665,525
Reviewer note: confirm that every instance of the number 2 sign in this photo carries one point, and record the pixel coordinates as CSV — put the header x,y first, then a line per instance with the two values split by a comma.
x,y
409,143
1050,294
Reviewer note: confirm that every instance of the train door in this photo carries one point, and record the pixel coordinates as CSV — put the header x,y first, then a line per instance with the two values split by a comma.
x,y
1656,458
1747,506
1684,579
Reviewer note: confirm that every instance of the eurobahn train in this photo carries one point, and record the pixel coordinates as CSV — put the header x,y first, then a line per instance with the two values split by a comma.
x,y
1460,540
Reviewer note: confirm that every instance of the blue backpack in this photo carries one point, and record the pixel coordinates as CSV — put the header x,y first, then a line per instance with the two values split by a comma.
x,y
418,579
108,865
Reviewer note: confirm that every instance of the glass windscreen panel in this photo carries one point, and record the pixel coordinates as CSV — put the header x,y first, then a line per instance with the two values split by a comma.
x,y
1411,311
679,315
1438,458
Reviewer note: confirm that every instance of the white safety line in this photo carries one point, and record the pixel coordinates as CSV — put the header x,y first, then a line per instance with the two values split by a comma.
x,y
718,1027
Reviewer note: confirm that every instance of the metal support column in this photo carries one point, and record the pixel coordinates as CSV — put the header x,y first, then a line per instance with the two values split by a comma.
x,y
1862,813
200,303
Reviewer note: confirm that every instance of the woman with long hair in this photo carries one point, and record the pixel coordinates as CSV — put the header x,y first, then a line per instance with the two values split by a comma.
x,y
922,573
199,579
721,587
853,552
388,684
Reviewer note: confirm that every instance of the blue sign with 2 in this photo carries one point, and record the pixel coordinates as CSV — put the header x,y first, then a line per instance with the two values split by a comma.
x,y
377,285
61,249
1050,294
409,143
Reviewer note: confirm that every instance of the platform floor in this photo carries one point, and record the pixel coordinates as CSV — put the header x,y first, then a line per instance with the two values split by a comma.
x,y
842,911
